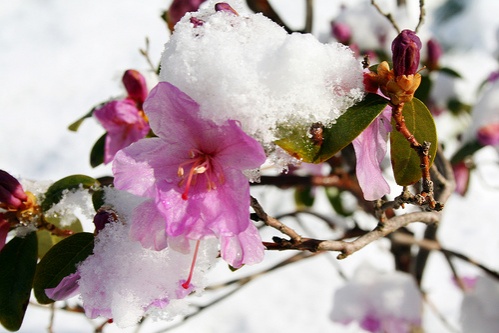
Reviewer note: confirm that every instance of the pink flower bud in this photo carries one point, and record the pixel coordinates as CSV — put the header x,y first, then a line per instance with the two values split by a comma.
x,y
462,177
406,49
488,135
434,54
4,230
135,85
12,194
225,7
341,32
179,8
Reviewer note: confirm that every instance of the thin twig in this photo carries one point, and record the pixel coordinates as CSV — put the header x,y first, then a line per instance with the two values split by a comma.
x,y
309,17
422,13
273,222
388,16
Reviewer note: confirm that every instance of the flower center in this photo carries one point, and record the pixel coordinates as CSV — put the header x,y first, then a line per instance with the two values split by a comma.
x,y
198,163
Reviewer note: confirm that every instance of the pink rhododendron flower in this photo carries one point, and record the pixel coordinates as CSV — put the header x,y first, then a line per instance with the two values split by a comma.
x,y
68,287
379,302
124,119
370,149
193,174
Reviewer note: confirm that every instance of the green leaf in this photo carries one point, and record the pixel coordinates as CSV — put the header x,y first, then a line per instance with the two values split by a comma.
x,y
301,142
304,197
55,192
335,198
74,126
45,238
467,150
61,261
17,268
450,72
97,153
423,91
405,160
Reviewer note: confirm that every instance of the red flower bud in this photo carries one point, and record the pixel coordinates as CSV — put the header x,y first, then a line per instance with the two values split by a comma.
x,y
406,49
341,32
434,53
12,194
135,85
103,217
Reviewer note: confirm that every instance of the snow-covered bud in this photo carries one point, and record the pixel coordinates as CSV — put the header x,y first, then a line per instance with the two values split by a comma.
x,y
406,49
434,51
12,194
135,85
225,7
488,135
341,32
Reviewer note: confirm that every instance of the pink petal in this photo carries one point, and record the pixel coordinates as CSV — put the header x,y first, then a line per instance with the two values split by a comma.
x,y
68,287
148,226
243,248
370,149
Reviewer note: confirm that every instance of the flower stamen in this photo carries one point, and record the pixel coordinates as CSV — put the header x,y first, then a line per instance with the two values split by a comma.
x,y
187,282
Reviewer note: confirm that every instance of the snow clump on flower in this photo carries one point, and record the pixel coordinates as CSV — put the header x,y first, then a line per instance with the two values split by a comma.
x,y
124,281
249,69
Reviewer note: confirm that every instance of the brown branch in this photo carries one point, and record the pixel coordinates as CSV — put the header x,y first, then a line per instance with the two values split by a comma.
x,y
433,245
349,247
389,17
273,222
426,196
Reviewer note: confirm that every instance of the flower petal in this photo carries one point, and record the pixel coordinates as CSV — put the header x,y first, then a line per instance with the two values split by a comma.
x,y
68,287
370,148
148,226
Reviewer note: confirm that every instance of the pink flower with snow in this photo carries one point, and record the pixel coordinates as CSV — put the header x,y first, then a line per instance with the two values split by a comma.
x,y
193,175
370,149
379,302
124,119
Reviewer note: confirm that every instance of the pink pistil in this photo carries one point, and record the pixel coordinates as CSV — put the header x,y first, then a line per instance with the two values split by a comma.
x,y
186,284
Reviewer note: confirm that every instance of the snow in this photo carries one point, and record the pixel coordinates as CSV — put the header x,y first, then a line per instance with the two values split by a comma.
x,y
61,58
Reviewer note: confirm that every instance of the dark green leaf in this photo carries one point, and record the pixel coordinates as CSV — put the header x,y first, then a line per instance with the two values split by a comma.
x,y
61,261
336,200
304,197
17,268
97,153
46,239
450,72
423,91
405,160
299,142
467,150
56,191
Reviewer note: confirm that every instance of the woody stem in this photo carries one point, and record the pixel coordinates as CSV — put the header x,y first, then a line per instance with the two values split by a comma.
x,y
421,149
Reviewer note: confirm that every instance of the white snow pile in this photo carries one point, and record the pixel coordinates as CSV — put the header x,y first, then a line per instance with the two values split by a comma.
x,y
249,69
124,281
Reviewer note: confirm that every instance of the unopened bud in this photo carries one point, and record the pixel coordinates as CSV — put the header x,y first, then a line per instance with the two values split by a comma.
x,y
12,194
488,135
135,85
341,32
103,217
406,49
434,53
225,7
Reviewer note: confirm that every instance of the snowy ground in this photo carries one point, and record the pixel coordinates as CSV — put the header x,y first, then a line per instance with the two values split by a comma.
x,y
60,58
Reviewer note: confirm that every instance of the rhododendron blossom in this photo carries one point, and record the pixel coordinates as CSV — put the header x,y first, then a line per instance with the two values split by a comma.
x,y
123,119
193,172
